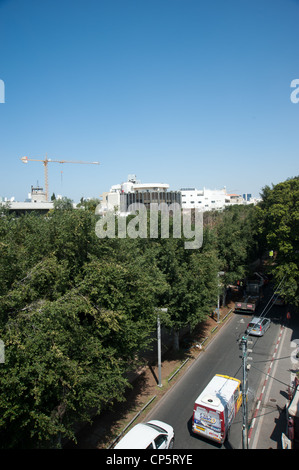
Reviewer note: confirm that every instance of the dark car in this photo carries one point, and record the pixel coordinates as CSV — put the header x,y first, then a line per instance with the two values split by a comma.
x,y
278,300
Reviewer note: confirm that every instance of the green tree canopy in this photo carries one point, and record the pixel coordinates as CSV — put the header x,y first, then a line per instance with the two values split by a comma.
x,y
278,222
76,310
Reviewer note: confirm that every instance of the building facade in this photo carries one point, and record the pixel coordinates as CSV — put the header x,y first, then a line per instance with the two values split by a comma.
x,y
122,196
208,200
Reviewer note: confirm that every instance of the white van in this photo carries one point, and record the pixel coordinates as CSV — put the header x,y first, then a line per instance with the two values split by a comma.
x,y
216,407
152,435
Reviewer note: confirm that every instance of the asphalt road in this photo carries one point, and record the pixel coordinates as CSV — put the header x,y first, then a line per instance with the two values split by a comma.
x,y
222,356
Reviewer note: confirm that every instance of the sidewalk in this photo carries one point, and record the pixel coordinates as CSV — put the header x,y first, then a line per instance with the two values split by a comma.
x,y
269,419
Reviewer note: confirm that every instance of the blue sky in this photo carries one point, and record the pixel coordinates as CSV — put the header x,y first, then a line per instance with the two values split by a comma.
x,y
187,92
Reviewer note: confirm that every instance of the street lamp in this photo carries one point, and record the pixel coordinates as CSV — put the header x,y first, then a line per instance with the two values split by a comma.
x,y
159,343
220,273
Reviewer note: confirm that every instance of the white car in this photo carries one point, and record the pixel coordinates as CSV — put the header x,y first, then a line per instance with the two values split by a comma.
x,y
152,435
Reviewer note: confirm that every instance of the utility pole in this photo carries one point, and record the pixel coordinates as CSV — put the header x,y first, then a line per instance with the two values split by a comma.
x,y
245,367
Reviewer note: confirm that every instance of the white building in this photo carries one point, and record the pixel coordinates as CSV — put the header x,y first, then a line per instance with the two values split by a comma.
x,y
208,199
36,202
122,195
37,194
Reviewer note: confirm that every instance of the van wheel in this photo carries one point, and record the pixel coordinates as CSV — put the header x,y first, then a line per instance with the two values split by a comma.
x,y
171,444
227,434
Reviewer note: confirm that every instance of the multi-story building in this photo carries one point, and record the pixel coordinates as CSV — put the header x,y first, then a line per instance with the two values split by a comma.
x,y
207,199
121,196
204,199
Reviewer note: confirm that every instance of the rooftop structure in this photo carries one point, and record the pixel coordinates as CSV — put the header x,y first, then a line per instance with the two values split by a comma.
x,y
36,202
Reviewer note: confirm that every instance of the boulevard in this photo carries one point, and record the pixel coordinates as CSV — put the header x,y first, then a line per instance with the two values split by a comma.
x,y
222,356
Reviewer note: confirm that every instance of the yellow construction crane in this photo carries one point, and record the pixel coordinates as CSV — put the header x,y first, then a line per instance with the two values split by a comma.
x,y
49,160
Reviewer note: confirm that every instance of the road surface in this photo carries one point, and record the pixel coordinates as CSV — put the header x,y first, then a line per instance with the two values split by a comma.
x,y
222,356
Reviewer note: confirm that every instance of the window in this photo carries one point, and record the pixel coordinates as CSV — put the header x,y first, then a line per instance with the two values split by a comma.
x,y
236,394
160,441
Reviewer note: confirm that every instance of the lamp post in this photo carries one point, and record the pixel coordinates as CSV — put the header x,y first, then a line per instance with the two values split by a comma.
x,y
220,273
159,343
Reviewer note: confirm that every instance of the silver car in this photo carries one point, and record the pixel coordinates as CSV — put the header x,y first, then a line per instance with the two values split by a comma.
x,y
258,326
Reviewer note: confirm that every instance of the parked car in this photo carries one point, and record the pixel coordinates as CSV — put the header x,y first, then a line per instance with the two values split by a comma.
x,y
258,326
151,435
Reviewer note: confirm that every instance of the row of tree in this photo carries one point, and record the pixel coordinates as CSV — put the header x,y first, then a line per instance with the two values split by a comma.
x,y
75,309
278,230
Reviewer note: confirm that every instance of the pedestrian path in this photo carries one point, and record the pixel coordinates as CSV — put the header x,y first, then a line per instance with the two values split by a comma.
x,y
269,418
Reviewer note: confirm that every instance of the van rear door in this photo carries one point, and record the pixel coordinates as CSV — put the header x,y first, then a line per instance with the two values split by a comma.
x,y
207,422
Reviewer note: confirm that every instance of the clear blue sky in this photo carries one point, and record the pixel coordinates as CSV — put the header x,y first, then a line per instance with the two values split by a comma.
x,y
187,92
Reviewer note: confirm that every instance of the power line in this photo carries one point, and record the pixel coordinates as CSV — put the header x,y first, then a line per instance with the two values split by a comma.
x,y
275,292
271,376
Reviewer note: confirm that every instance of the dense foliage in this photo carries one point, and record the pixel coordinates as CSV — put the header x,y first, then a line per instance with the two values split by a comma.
x,y
278,222
75,309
